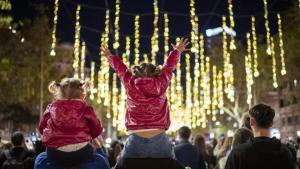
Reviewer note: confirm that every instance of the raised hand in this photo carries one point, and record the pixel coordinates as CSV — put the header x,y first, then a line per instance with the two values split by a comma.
x,y
106,51
181,45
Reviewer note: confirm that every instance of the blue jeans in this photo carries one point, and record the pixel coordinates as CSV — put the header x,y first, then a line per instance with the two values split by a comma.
x,y
99,160
158,146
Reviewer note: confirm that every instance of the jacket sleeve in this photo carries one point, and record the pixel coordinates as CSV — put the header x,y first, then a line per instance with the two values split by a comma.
x,y
232,161
93,122
169,67
121,69
45,118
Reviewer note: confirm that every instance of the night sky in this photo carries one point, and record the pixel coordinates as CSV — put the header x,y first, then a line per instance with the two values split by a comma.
x,y
93,13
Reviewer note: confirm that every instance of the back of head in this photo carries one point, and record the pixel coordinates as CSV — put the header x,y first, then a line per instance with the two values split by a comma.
x,y
199,141
184,133
17,139
68,88
263,115
241,136
145,69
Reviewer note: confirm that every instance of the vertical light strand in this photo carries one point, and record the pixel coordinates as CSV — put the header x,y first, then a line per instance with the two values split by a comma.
x,y
92,80
254,47
275,84
283,69
188,102
232,24
154,38
166,35
214,93
116,44
145,58
249,70
196,89
127,50
122,109
202,83
207,87
266,15
195,27
179,91
82,59
114,99
137,40
55,19
99,86
220,92
77,43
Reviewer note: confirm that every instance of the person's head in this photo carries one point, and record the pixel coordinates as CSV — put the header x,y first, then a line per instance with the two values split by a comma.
x,y
261,117
184,133
17,139
241,136
145,69
68,88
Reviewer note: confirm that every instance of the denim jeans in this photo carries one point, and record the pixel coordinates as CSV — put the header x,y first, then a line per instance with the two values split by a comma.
x,y
98,161
158,146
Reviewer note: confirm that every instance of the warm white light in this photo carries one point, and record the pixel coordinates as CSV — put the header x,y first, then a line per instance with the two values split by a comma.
x,y
218,30
22,40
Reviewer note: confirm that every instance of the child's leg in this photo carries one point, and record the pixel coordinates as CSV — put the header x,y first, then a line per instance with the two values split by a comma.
x,y
97,162
42,162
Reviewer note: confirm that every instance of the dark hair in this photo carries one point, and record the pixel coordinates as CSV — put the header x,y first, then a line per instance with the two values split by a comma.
x,y
67,88
241,136
184,132
199,142
17,138
263,115
145,69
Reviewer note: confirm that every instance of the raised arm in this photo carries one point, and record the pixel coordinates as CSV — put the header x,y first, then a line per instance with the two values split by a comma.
x,y
117,64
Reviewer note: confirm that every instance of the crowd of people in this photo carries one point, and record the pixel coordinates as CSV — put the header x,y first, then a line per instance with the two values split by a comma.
x,y
71,133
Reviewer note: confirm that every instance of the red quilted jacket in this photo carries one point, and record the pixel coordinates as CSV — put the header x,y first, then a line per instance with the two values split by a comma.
x,y
68,122
147,104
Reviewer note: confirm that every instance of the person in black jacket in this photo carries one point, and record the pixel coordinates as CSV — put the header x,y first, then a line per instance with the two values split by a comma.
x,y
260,152
187,154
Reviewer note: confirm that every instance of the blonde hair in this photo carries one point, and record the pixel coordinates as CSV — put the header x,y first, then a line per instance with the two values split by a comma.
x,y
145,69
68,88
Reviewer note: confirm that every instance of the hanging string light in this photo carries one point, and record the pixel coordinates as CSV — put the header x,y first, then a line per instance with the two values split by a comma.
x,y
232,24
115,98
228,67
275,84
82,60
154,38
55,19
92,83
188,91
99,85
249,70
179,89
196,89
266,15
202,84
254,47
146,59
207,89
127,50
215,93
122,109
105,69
283,69
166,35
77,43
116,44
195,27
220,91
137,39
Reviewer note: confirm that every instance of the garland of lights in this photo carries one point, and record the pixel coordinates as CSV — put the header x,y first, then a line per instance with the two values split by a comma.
x,y
137,39
145,57
207,94
215,92
188,91
77,43
52,53
254,47
232,25
202,83
114,99
82,60
266,14
275,84
195,27
220,91
283,69
166,35
127,50
116,44
154,38
92,83
249,70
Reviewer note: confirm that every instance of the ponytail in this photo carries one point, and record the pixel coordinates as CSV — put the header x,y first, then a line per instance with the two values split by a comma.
x,y
53,87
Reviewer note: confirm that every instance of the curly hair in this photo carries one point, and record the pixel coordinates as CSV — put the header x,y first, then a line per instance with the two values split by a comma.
x,y
145,69
68,88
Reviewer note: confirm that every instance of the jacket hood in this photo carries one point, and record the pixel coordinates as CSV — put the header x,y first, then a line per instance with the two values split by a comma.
x,y
268,147
147,86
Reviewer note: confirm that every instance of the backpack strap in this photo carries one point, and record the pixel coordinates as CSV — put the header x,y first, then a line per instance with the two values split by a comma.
x,y
7,154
